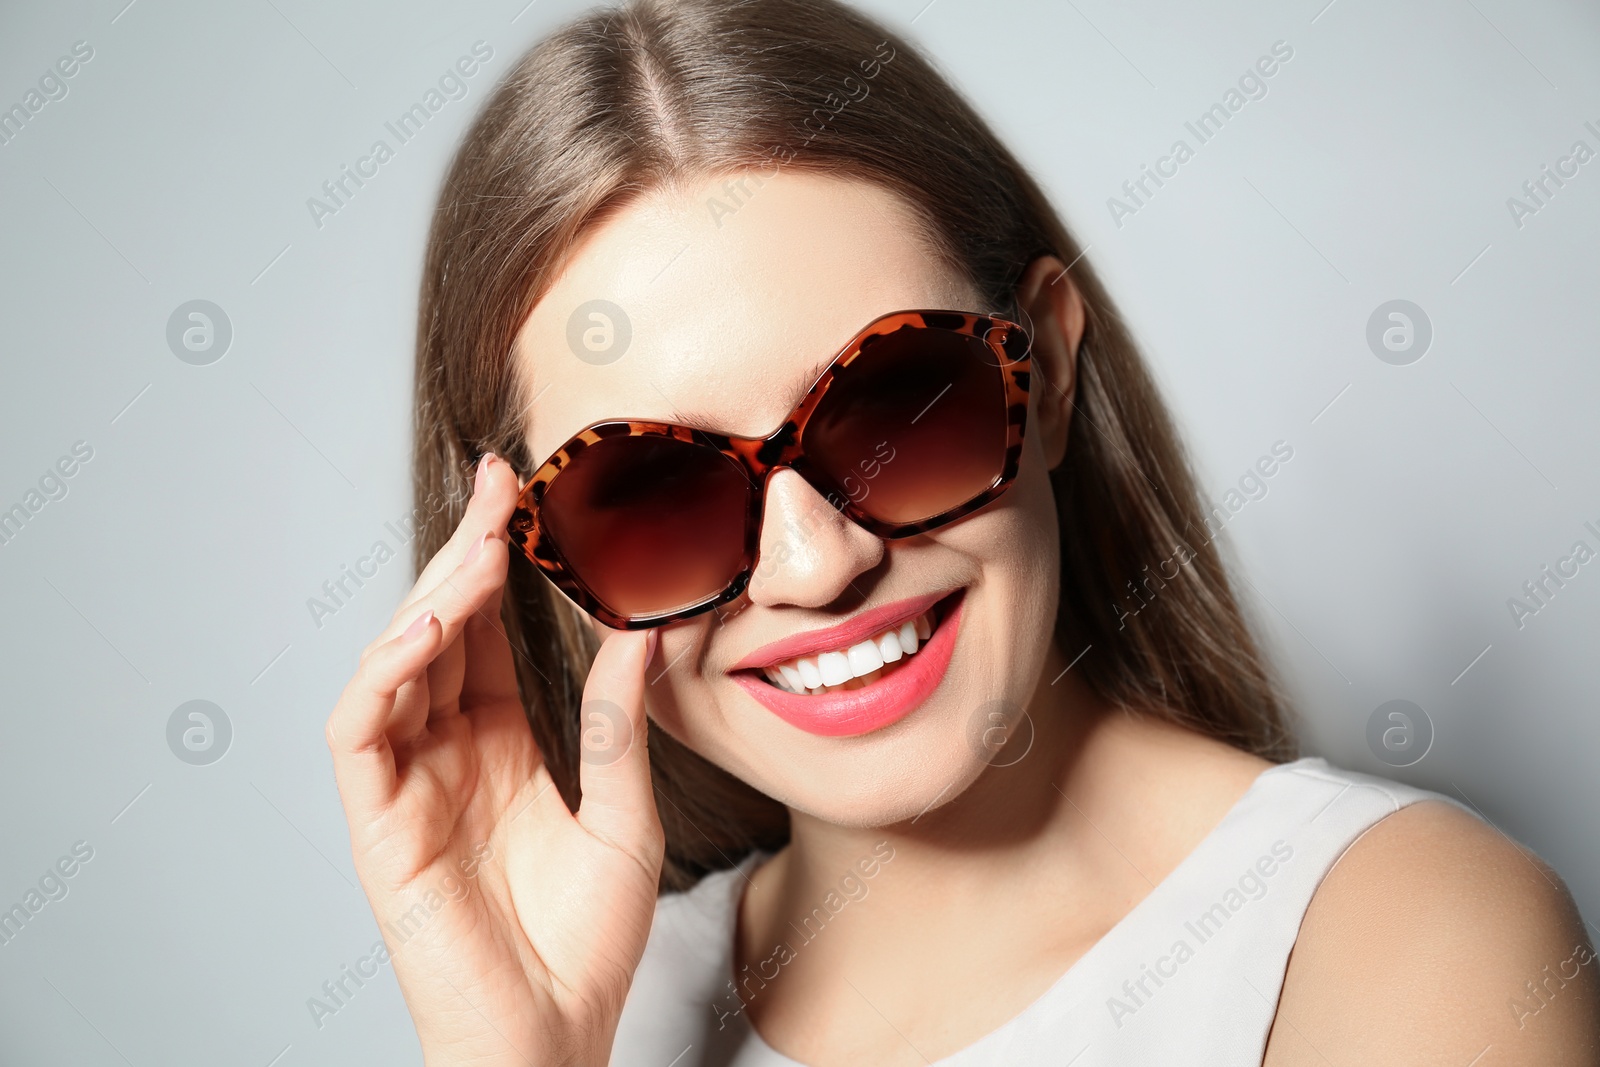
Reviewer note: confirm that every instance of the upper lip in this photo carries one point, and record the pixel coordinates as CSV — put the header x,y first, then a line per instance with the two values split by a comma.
x,y
852,631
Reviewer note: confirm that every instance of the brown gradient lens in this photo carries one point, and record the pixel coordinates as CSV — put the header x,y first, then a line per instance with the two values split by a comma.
x,y
913,427
649,524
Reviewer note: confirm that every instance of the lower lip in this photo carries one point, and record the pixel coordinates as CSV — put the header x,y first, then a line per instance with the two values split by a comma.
x,y
850,712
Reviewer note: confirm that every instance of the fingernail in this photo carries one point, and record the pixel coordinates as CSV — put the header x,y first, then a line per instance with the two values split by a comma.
x,y
418,625
477,546
483,466
652,638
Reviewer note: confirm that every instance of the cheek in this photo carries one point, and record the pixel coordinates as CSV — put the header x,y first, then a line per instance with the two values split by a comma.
x,y
672,678
1015,548
1035,501
1016,541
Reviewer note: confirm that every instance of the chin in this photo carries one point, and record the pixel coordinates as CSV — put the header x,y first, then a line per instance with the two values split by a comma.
x,y
898,785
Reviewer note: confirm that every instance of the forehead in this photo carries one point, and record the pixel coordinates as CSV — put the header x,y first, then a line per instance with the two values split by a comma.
x,y
715,302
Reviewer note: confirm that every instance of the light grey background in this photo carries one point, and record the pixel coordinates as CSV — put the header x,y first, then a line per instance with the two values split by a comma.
x,y
220,497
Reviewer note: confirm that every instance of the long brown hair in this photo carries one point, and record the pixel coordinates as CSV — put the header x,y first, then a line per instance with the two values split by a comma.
x,y
622,100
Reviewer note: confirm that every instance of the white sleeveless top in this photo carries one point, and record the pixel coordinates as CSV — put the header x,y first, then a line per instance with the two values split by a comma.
x,y
1191,975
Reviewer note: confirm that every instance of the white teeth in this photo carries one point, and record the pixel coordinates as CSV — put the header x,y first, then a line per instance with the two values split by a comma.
x,y
791,675
828,669
810,677
908,637
835,668
864,658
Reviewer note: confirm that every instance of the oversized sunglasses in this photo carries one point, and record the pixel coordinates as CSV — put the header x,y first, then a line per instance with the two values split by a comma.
x,y
916,422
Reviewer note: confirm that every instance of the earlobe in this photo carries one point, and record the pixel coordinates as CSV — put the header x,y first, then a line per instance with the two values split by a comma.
x,y
1058,317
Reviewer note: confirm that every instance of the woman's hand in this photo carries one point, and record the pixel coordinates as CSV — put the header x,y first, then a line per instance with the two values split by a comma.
x,y
514,926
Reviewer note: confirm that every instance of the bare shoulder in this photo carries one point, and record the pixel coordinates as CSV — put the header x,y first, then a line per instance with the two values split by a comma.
x,y
1435,939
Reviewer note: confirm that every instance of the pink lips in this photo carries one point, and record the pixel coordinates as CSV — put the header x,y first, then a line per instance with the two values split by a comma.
x,y
850,712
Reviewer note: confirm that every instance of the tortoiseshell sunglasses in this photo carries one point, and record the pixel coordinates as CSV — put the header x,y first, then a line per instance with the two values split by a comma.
x,y
915,423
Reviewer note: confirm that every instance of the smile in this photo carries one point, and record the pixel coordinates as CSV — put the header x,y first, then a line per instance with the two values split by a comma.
x,y
861,675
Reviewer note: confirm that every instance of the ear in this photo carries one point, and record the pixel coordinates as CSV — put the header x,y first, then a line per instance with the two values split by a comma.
x,y
1055,310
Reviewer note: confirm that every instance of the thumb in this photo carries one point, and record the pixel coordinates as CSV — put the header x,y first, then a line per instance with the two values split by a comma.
x,y
618,804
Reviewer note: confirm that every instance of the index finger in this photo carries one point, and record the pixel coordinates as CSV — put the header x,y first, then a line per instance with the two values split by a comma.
x,y
494,497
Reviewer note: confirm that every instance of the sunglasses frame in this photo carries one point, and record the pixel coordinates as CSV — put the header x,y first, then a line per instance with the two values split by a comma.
x,y
759,457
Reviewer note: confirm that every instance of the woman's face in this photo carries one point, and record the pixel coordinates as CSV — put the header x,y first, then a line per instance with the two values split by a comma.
x,y
736,290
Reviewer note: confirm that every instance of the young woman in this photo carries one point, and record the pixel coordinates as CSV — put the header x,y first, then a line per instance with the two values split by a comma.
x,y
821,656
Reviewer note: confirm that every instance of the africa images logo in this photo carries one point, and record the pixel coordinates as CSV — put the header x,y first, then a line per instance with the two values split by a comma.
x,y
1252,85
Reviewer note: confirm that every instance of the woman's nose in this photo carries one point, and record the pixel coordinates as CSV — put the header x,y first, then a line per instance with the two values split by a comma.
x,y
810,553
